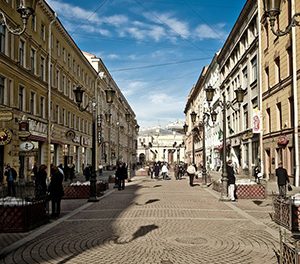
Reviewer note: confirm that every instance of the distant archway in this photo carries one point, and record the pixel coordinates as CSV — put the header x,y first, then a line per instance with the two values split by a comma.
x,y
142,158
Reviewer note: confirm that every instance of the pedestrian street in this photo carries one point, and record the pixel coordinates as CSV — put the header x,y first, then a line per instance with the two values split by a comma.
x,y
158,222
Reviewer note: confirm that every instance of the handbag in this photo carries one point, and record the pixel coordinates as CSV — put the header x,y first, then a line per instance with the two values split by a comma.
x,y
290,188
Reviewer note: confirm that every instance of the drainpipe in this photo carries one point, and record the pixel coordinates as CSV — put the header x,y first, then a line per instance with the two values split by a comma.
x,y
260,105
295,95
49,97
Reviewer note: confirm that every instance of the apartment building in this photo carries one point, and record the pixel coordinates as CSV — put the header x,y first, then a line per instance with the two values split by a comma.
x,y
280,92
38,72
238,64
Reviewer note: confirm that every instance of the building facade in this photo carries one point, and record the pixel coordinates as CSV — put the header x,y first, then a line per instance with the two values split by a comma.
x,y
40,120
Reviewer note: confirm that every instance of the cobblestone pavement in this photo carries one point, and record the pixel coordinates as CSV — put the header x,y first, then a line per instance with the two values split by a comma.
x,y
157,222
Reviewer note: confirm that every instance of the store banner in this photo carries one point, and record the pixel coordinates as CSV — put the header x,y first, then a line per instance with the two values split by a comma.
x,y
256,121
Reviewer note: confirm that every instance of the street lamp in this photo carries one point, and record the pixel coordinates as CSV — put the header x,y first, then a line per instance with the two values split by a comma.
x,y
78,92
110,94
224,106
272,11
26,9
193,118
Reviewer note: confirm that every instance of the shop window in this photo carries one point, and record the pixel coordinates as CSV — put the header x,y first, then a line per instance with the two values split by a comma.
x,y
2,38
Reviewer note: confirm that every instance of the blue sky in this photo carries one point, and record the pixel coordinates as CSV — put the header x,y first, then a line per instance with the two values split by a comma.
x,y
154,49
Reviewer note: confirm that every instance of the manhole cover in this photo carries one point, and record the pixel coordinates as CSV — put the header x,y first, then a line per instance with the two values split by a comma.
x,y
191,240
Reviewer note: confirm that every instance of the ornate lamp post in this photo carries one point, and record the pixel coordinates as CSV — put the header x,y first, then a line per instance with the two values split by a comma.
x,y
224,106
26,8
78,92
193,118
110,94
272,11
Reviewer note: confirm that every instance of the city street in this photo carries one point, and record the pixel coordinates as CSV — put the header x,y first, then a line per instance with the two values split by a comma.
x,y
155,221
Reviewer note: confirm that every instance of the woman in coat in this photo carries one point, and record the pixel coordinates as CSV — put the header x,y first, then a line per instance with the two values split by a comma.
x,y
56,190
40,183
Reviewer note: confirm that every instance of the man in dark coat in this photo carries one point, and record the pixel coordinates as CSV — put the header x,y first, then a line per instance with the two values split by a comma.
x,y
11,176
282,179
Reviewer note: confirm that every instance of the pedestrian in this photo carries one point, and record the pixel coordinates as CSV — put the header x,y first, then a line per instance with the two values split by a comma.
x,y
191,171
156,169
11,176
231,180
56,190
87,172
151,170
61,169
71,172
164,171
256,172
100,169
121,174
40,183
176,171
282,179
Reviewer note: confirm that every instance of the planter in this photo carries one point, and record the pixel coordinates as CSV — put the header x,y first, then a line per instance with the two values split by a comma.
x,y
250,191
286,213
22,218
245,191
83,191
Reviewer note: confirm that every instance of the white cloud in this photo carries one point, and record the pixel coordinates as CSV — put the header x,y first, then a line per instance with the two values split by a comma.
x,y
73,12
204,31
116,20
112,56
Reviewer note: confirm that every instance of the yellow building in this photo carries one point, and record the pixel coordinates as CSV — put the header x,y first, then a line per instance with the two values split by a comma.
x,y
280,93
40,121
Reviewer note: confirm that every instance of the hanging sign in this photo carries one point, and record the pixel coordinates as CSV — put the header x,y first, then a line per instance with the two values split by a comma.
x,y
256,121
26,146
5,136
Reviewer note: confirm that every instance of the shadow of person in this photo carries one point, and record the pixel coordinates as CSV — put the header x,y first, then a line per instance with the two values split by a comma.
x,y
143,230
152,201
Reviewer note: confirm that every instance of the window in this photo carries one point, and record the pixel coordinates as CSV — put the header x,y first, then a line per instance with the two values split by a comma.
x,y
43,32
277,70
267,35
279,116
58,48
22,53
58,80
32,103
254,69
64,54
57,113
2,38
268,120
64,84
291,111
267,77
289,61
42,69
21,97
245,78
246,117
33,22
42,107
32,60
63,116
2,87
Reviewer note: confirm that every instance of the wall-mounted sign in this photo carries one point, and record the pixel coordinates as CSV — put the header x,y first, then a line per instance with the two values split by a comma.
x,y
282,140
24,135
24,125
26,146
5,136
6,116
70,134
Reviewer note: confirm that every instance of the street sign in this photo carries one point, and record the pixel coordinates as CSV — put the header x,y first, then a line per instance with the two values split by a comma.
x,y
6,115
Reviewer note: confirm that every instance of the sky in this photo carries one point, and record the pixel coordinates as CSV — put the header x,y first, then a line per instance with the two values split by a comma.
x,y
154,49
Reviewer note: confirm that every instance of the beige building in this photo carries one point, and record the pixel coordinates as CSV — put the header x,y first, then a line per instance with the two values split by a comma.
x,y
280,82
40,121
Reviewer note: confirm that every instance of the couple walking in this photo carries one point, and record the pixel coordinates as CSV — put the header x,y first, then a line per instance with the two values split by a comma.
x,y
121,175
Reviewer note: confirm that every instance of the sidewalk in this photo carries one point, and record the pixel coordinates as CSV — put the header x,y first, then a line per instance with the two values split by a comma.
x,y
152,221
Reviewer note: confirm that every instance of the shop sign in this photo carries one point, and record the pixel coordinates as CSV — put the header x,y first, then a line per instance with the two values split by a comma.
x,y
282,140
5,136
36,126
70,134
26,146
247,135
76,139
24,134
6,116
85,141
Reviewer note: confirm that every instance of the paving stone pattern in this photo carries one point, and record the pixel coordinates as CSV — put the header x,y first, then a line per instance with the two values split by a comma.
x,y
158,222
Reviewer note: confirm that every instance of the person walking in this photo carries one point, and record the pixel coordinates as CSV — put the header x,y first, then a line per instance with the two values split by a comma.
x,y
121,174
156,169
164,171
40,183
231,180
191,171
282,179
176,171
11,176
56,190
